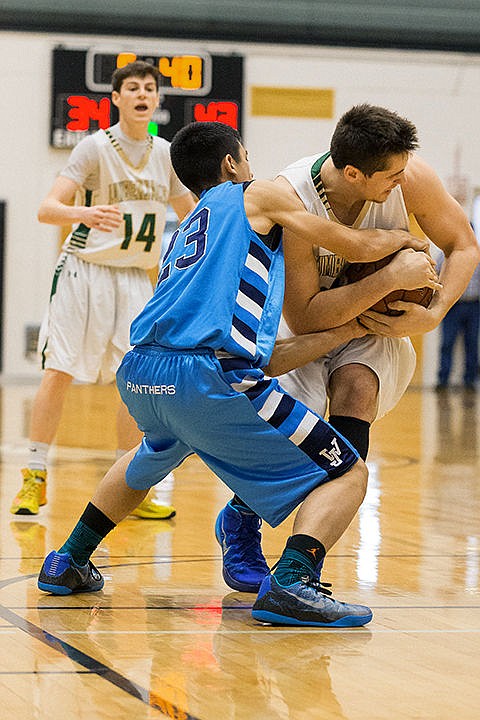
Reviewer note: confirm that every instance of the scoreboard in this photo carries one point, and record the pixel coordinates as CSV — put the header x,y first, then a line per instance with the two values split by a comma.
x,y
193,87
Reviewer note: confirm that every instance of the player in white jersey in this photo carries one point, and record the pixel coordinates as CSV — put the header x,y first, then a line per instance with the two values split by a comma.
x,y
114,191
391,359
370,178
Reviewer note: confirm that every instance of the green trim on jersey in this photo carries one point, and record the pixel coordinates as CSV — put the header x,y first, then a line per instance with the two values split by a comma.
x,y
316,168
56,276
78,238
315,173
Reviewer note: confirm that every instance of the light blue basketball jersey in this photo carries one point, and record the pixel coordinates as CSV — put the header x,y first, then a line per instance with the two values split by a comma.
x,y
194,383
220,286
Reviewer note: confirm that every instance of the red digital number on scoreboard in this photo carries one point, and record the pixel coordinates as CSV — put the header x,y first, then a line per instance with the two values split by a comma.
x,y
84,110
225,112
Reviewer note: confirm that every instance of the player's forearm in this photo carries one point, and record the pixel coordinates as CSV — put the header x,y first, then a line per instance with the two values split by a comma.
x,y
330,308
457,270
53,212
353,245
290,353
373,244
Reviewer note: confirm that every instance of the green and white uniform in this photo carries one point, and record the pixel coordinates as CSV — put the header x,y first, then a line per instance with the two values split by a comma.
x,y
391,359
100,282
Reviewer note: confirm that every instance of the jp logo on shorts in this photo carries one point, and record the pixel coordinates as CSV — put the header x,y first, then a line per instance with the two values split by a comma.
x,y
334,456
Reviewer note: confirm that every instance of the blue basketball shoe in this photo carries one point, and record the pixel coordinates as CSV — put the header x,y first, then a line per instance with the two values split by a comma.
x,y
238,534
305,602
60,576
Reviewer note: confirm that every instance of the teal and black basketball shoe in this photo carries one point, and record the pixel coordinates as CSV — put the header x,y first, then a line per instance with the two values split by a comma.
x,y
305,602
59,575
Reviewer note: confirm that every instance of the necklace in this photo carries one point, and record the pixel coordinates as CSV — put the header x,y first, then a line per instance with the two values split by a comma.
x,y
120,151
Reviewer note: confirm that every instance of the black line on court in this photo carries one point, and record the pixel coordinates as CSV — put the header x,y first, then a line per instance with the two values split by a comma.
x,y
88,662
45,672
188,559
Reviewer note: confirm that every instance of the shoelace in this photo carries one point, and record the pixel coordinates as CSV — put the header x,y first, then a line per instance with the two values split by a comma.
x,y
313,582
318,585
250,526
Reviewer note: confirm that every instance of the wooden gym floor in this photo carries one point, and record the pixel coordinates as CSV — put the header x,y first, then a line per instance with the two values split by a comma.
x,y
167,638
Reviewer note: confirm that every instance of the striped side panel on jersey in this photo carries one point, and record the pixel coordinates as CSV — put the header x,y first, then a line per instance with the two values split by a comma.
x,y
250,300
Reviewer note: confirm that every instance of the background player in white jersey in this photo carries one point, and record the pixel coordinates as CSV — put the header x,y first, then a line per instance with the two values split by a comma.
x,y
121,180
369,178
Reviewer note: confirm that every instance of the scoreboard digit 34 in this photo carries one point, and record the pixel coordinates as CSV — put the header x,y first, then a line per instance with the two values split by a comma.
x,y
193,86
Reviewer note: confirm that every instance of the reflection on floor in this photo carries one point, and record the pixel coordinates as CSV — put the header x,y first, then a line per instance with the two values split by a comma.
x,y
167,638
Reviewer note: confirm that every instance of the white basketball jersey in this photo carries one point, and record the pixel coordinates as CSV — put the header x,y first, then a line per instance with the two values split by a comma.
x,y
141,192
391,359
304,176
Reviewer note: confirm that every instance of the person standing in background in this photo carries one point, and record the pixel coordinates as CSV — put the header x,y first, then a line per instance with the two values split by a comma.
x,y
114,192
463,319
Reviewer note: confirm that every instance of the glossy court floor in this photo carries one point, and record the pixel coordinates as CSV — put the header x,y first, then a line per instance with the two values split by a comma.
x,y
167,638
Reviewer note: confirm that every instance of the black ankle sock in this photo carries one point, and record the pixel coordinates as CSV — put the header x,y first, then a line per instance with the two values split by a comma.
x,y
96,520
308,546
303,555
356,431
87,534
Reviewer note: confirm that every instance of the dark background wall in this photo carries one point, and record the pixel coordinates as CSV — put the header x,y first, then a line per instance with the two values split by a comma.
x,y
451,25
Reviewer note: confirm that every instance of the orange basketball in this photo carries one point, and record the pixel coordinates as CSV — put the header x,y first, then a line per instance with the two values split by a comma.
x,y
357,271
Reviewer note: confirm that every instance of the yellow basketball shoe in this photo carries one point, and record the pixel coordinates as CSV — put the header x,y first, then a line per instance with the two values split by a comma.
x,y
149,509
33,493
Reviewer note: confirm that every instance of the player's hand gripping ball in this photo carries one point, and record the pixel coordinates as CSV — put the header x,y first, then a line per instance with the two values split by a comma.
x,y
357,271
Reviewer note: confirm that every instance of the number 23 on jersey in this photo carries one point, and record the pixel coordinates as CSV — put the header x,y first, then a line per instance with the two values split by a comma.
x,y
194,236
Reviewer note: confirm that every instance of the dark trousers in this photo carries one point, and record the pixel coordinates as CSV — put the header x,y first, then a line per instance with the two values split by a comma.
x,y
462,319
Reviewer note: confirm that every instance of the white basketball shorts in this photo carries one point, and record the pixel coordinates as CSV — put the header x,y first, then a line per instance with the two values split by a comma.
x,y
86,329
391,359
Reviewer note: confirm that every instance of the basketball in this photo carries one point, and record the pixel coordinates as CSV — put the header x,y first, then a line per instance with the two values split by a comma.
x,y
357,271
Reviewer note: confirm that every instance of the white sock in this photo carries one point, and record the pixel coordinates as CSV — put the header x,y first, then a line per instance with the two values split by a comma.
x,y
37,455
162,492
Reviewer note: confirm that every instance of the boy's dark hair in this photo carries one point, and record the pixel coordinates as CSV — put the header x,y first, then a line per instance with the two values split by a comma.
x,y
367,135
197,151
138,68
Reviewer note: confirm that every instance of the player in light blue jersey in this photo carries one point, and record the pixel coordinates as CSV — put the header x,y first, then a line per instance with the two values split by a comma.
x,y
236,318
194,381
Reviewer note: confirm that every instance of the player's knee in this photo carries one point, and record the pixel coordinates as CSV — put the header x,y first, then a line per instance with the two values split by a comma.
x,y
353,391
58,376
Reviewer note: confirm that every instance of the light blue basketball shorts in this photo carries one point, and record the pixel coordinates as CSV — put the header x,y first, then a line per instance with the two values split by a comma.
x,y
270,449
